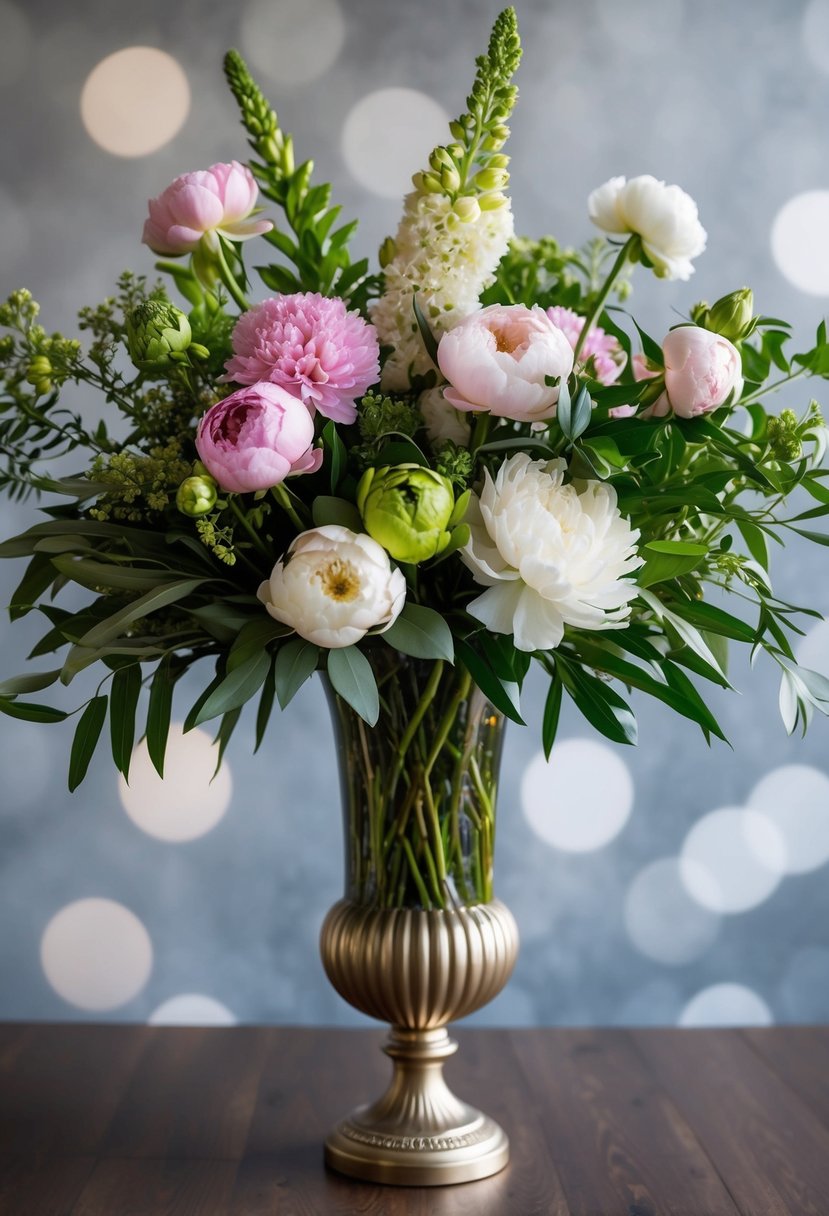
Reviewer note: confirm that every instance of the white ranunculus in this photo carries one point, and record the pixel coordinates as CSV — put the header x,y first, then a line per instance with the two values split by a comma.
x,y
333,586
549,554
442,420
664,217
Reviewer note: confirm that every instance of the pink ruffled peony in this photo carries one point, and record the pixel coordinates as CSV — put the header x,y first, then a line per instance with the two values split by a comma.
x,y
498,360
310,345
218,200
255,438
600,350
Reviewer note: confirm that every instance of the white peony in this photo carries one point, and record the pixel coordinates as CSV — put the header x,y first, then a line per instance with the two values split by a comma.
x,y
449,262
442,420
664,217
550,554
333,586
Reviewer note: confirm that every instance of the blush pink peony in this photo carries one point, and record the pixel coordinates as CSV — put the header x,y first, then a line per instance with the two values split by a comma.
x,y
702,370
219,200
601,353
255,438
498,360
311,346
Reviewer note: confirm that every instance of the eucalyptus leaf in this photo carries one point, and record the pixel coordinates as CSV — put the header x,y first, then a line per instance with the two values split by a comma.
x,y
34,682
87,734
504,695
160,597
296,661
237,687
159,712
29,712
126,687
422,633
351,676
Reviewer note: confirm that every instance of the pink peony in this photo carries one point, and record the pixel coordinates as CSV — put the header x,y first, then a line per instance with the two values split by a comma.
x,y
255,438
600,350
498,360
312,346
201,204
702,370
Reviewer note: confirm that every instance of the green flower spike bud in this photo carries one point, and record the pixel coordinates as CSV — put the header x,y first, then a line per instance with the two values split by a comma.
x,y
407,509
388,251
158,336
733,315
467,209
197,495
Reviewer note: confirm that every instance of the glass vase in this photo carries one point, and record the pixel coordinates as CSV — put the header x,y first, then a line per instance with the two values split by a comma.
x,y
418,940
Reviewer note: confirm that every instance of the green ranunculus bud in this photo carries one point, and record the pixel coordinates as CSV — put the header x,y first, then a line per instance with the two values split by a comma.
x,y
733,315
407,509
197,495
158,336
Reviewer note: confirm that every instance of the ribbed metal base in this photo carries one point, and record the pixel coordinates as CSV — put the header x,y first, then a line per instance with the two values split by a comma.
x,y
418,1133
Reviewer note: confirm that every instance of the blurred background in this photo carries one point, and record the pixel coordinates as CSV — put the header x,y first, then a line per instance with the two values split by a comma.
x,y
660,885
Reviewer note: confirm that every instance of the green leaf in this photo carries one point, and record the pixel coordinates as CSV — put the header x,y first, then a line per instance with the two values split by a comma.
x,y
226,729
328,510
668,559
161,597
33,682
266,700
422,633
429,340
39,575
351,676
504,695
756,543
28,712
237,687
337,453
253,638
159,712
552,713
603,708
296,662
92,574
87,734
126,687
460,537
688,634
715,620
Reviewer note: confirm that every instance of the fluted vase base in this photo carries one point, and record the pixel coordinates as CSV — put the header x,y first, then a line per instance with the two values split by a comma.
x,y
418,1133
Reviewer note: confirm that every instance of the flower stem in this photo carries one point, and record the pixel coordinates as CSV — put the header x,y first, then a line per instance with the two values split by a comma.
x,y
229,279
246,524
615,270
765,389
284,499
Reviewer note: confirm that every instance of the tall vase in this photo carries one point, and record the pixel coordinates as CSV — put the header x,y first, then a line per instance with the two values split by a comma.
x,y
419,940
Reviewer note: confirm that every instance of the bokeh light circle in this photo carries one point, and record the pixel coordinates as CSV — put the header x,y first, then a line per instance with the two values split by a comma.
x,y
387,137
96,954
189,801
661,919
581,798
135,101
726,1005
731,860
292,41
795,799
192,1009
800,241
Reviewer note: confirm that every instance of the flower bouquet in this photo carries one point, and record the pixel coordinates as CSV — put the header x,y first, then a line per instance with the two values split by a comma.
x,y
417,480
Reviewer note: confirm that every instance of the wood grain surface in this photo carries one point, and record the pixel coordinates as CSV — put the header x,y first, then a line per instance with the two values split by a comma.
x,y
138,1121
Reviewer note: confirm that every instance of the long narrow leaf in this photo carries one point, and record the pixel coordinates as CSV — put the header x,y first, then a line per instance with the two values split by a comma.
x,y
87,734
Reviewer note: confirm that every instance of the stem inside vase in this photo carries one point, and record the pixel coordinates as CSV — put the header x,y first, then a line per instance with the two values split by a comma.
x,y
419,788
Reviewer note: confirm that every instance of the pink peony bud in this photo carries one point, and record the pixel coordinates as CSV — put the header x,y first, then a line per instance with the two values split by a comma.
x,y
256,438
702,369
498,360
201,204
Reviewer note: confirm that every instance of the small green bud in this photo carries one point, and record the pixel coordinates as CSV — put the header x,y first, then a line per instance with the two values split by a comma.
x,y
500,131
430,184
450,180
456,152
197,495
158,336
458,129
39,373
733,315
498,162
440,159
467,209
493,201
407,509
387,253
490,179
699,314
783,436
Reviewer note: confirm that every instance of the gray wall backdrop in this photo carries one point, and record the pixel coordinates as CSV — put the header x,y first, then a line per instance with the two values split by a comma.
x,y
668,883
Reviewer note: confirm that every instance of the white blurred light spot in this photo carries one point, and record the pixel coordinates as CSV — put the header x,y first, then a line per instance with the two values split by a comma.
x,y
726,1005
135,101
662,920
731,860
188,802
800,241
813,650
96,954
387,137
795,799
292,41
192,1009
15,44
579,800
815,31
640,25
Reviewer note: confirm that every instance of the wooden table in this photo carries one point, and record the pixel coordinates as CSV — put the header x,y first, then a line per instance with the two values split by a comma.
x,y
133,1121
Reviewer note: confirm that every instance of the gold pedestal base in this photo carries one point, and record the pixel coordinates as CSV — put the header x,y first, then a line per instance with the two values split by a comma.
x,y
418,1133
